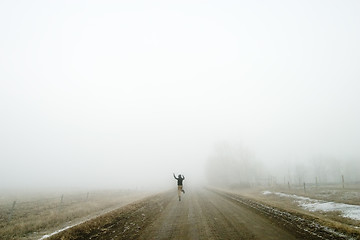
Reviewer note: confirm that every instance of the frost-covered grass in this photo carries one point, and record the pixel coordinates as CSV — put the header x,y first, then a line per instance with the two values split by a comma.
x,y
332,193
35,216
332,205
347,210
341,204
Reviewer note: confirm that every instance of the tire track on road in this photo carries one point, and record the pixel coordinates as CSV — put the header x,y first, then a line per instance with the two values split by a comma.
x,y
202,214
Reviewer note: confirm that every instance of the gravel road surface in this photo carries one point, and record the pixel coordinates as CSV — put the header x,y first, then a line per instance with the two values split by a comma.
x,y
202,214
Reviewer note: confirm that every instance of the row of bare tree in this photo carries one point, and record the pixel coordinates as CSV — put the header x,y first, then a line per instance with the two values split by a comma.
x,y
231,165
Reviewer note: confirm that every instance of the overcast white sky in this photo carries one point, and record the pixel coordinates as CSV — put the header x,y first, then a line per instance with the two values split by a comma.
x,y
123,93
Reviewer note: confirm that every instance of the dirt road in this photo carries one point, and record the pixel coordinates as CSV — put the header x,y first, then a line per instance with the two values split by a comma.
x,y
202,214
207,215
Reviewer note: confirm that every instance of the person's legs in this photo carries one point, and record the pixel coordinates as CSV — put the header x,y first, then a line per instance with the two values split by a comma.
x,y
179,191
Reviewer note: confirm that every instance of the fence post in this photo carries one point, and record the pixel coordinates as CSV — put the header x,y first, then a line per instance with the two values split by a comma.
x,y
61,202
304,188
343,182
11,211
289,185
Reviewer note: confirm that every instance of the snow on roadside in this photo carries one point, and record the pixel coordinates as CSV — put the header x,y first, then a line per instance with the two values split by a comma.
x,y
133,199
347,210
56,232
60,230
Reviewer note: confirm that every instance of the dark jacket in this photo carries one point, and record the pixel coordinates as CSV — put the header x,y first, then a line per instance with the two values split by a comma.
x,y
179,180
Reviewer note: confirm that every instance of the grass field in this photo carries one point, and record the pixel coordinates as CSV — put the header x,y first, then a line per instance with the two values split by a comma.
x,y
330,193
34,215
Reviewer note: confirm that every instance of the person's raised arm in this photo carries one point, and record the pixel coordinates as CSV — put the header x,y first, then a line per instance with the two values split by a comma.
x,y
174,176
183,177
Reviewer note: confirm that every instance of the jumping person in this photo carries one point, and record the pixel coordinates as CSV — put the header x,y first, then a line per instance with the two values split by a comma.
x,y
180,180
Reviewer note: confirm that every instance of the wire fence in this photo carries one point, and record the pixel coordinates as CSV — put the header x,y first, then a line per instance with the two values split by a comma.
x,y
297,182
20,207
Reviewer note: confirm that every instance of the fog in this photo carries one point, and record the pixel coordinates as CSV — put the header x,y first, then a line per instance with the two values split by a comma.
x,y
121,94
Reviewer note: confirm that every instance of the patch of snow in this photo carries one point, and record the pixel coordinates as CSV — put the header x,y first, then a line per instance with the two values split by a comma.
x,y
347,210
60,230
56,232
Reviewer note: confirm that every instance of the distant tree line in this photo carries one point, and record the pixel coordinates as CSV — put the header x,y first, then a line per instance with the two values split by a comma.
x,y
321,170
230,165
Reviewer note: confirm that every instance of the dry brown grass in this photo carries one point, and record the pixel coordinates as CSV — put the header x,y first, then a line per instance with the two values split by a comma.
x,y
129,221
38,216
327,193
